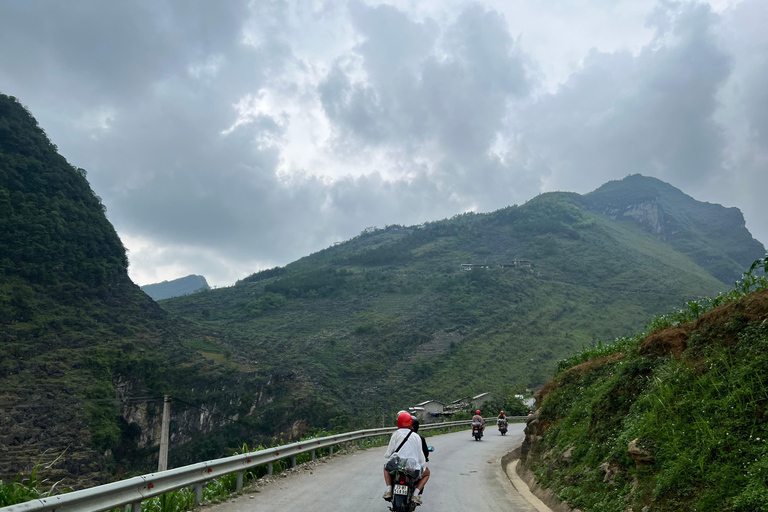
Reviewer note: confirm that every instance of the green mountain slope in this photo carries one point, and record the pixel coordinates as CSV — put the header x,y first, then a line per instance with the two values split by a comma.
x,y
78,340
389,317
713,236
669,421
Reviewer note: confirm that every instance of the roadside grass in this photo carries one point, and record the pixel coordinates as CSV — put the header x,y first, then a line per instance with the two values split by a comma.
x,y
703,418
22,489
750,282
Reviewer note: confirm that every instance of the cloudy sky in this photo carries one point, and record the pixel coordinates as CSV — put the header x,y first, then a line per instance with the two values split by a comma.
x,y
228,137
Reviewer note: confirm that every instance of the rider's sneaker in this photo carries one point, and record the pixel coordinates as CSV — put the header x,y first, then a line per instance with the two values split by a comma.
x,y
388,495
416,499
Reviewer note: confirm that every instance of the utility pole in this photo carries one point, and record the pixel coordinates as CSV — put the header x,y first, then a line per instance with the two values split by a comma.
x,y
162,463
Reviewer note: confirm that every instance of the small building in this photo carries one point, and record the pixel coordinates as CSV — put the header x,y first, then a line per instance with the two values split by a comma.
x,y
430,411
522,263
462,404
432,406
479,400
530,403
473,266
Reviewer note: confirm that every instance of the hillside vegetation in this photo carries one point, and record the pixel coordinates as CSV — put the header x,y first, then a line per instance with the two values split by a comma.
x,y
79,342
669,420
389,317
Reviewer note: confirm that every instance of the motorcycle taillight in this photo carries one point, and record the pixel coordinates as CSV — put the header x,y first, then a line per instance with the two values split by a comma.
x,y
402,480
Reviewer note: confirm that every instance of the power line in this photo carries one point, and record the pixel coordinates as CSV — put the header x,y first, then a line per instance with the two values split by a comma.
x,y
54,403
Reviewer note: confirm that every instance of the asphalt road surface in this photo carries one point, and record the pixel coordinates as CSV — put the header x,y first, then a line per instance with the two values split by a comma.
x,y
466,476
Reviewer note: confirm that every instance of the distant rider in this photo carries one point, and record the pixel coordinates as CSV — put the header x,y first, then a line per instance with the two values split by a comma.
x,y
479,419
502,419
410,449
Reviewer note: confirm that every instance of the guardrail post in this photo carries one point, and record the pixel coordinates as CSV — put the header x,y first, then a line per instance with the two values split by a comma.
x,y
313,454
135,507
293,461
198,494
330,450
239,486
270,468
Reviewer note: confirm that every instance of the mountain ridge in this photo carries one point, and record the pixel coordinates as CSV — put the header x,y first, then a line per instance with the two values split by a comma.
x,y
402,289
175,287
682,221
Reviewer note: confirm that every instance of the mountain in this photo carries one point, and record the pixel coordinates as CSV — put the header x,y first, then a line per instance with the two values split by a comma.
x,y
85,355
176,288
713,236
391,317
341,338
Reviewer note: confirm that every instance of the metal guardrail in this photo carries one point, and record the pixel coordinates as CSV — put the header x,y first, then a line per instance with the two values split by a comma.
x,y
137,489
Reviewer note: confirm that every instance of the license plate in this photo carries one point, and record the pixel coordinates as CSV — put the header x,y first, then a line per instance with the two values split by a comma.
x,y
401,489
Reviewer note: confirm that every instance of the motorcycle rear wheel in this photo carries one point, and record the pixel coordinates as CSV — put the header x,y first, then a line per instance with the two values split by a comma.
x,y
400,503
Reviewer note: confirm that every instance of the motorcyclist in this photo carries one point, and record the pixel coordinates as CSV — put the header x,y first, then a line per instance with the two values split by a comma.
x,y
479,419
408,446
501,420
425,450
424,447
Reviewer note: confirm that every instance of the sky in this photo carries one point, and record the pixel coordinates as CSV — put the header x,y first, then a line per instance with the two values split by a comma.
x,y
229,137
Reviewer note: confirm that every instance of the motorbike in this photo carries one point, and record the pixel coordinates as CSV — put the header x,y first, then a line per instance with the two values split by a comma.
x,y
502,426
405,481
477,430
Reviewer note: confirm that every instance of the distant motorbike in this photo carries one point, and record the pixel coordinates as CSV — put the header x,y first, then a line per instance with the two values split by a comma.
x,y
477,430
405,481
502,426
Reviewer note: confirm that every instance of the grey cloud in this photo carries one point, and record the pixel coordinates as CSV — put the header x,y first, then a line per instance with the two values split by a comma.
x,y
651,113
453,88
98,50
747,36
450,105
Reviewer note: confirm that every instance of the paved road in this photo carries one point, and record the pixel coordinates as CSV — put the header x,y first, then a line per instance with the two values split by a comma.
x,y
466,475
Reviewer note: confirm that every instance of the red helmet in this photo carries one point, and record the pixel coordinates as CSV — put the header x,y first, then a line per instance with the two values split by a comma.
x,y
502,412
404,420
477,411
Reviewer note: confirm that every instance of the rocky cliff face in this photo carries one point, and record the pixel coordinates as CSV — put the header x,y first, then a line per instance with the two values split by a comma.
x,y
646,214
712,235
